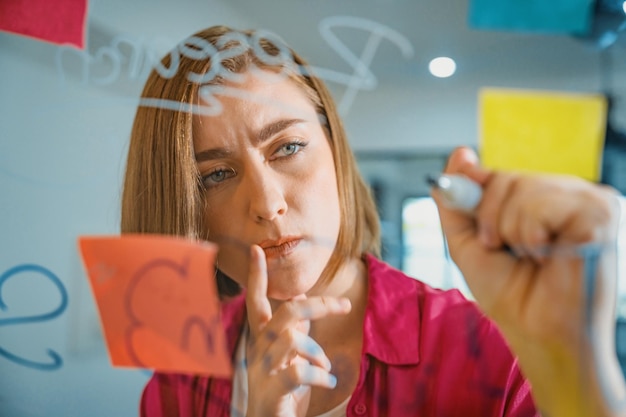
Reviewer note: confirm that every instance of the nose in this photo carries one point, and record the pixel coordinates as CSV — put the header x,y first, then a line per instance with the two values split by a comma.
x,y
265,195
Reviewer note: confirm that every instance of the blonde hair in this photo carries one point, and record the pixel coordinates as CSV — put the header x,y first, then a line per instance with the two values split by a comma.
x,y
162,191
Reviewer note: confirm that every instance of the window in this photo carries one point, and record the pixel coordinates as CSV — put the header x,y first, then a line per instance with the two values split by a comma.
x,y
425,255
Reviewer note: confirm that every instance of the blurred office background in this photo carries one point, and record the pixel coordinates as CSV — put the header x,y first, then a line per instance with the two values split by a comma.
x,y
65,117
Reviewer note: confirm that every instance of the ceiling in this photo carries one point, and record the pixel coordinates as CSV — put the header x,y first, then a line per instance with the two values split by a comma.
x,y
406,34
414,32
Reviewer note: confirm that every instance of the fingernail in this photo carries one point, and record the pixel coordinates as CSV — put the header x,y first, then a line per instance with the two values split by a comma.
x,y
327,364
332,380
345,303
484,235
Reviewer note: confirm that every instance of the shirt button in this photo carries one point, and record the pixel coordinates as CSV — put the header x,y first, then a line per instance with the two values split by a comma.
x,y
360,409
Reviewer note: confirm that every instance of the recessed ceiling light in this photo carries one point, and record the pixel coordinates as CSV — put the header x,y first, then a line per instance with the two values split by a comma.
x,y
442,67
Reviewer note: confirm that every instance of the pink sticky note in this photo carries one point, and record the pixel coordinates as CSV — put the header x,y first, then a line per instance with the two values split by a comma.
x,y
158,302
59,21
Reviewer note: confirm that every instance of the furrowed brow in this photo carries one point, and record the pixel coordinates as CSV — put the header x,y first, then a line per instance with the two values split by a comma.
x,y
209,154
273,128
265,133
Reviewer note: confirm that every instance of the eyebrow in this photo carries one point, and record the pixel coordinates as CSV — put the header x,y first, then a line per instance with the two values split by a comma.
x,y
262,135
273,128
208,154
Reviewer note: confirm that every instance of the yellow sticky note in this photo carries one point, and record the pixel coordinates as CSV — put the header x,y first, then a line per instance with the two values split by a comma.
x,y
542,131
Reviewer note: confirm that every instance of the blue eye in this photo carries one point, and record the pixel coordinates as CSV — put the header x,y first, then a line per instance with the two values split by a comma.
x,y
217,176
291,148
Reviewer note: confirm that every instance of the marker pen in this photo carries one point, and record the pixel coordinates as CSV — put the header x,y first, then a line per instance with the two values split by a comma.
x,y
457,191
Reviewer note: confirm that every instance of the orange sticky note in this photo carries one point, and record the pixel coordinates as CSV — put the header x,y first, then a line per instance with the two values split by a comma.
x,y
542,131
158,302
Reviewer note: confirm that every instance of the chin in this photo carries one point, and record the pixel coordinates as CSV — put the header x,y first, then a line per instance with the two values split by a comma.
x,y
284,287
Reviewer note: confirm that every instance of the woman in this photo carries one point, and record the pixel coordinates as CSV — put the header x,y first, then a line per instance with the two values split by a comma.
x,y
237,143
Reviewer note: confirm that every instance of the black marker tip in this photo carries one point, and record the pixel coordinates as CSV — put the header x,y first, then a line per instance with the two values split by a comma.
x,y
432,180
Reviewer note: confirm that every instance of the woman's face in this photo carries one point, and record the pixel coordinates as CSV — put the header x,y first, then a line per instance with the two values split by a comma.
x,y
270,180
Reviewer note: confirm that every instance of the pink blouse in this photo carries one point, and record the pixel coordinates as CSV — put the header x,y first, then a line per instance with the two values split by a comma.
x,y
426,352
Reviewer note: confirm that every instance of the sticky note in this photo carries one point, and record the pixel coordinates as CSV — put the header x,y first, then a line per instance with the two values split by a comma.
x,y
59,21
554,16
542,131
158,303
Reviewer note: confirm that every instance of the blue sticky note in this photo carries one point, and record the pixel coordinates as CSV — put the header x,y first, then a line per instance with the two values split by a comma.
x,y
546,16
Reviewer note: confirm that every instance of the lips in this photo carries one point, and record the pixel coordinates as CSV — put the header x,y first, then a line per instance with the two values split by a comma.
x,y
279,248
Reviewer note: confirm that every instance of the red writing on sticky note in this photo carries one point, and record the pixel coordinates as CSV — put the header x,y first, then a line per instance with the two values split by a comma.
x,y
158,302
60,21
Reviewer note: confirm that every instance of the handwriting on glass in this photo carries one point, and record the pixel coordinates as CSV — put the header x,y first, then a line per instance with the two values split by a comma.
x,y
140,57
56,360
